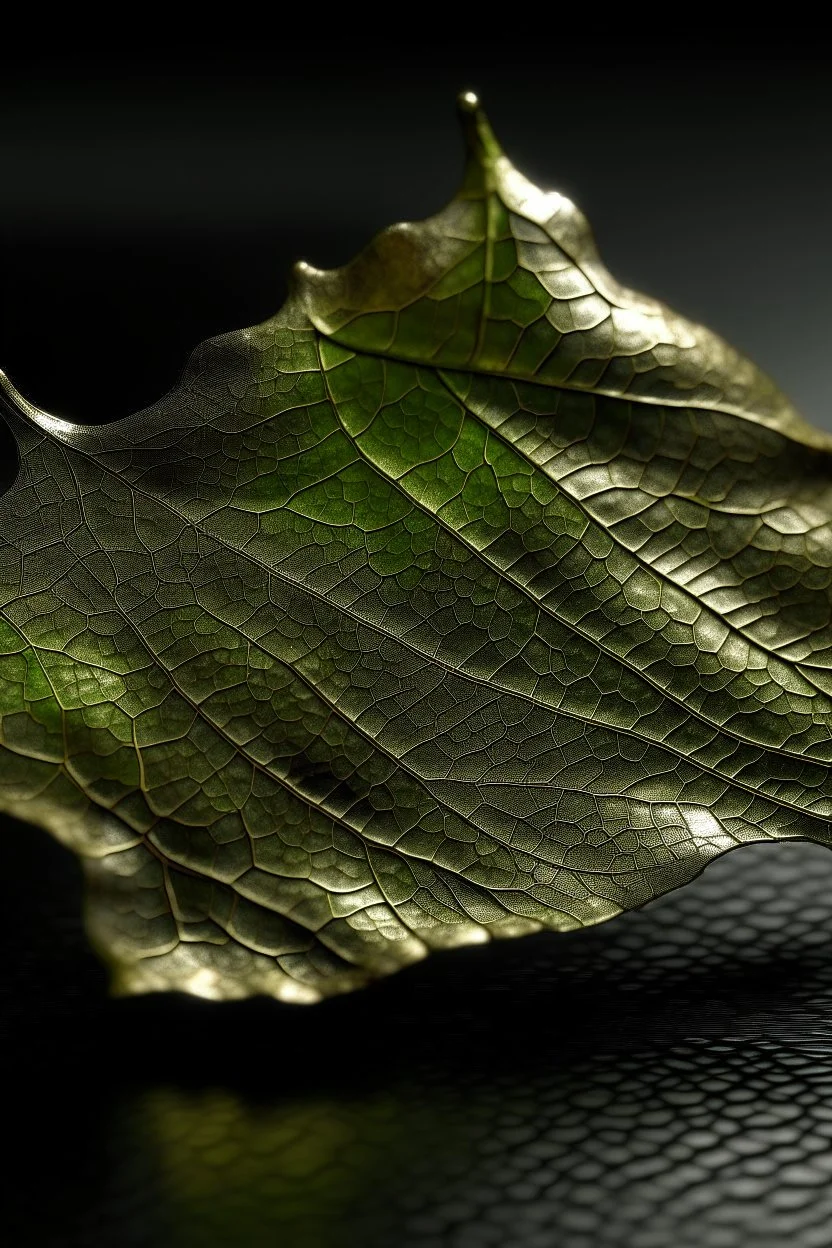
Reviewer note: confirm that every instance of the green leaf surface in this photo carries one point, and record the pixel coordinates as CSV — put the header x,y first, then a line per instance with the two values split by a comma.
x,y
471,594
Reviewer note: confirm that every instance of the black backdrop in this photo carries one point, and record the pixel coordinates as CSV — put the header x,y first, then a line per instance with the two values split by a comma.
x,y
663,1080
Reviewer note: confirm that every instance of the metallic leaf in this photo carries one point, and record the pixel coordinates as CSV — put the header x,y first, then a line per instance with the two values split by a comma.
x,y
471,594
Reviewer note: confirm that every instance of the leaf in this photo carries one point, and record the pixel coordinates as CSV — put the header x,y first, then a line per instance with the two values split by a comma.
x,y
472,594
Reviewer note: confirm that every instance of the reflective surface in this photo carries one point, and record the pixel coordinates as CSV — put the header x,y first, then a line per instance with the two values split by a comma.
x,y
664,1079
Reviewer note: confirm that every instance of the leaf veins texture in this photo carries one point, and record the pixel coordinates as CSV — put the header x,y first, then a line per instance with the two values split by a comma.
x,y
471,594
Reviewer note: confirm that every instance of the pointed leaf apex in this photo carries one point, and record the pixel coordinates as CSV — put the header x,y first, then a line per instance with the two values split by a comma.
x,y
303,278
483,148
303,271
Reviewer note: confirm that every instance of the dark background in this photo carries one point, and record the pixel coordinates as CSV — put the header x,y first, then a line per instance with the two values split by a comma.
x,y
663,1080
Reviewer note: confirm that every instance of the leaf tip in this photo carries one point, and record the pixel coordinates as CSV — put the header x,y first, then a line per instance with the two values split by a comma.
x,y
468,101
303,272
304,278
483,148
